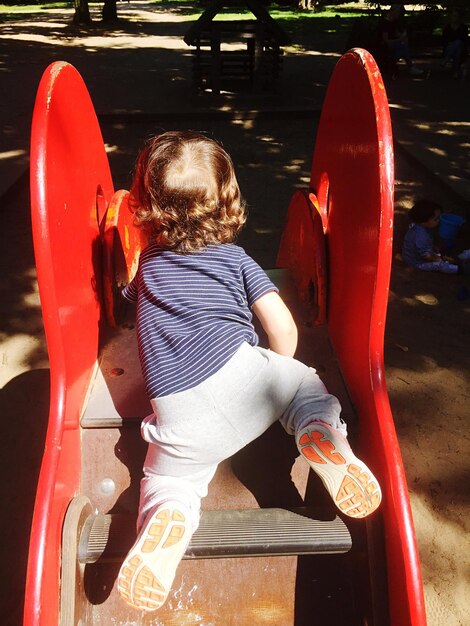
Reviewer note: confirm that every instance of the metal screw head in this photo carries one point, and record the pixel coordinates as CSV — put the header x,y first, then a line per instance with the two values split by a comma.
x,y
107,486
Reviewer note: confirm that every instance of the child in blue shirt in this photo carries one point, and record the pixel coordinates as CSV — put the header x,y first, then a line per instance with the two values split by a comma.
x,y
212,389
418,245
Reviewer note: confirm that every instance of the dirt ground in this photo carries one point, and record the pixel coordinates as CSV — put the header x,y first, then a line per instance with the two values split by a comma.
x,y
427,369
427,335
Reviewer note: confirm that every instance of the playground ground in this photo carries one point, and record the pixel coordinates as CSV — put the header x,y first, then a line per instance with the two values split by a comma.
x,y
139,80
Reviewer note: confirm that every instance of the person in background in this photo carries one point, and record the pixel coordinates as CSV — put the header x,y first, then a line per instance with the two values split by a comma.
x,y
393,41
455,44
418,244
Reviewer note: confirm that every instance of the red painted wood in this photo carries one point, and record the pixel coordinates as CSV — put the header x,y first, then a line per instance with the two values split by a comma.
x,y
123,243
302,250
352,175
70,187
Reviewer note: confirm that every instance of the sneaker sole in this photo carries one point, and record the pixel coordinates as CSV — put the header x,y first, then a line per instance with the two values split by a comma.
x,y
147,573
351,484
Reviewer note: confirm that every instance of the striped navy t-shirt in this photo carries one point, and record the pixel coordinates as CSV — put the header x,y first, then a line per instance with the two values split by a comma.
x,y
193,312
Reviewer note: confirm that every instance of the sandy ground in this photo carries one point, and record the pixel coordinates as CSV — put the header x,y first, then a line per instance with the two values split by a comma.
x,y
426,350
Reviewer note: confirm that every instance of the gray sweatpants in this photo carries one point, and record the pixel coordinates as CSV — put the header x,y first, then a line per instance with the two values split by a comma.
x,y
191,432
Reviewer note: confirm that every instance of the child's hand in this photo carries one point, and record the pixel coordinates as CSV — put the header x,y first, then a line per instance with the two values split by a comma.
x,y
122,306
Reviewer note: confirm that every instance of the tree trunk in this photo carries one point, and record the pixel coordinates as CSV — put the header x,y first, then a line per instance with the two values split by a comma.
x,y
109,13
82,12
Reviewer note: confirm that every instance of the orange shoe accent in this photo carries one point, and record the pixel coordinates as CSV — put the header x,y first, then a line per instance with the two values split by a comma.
x,y
310,453
328,449
177,531
358,494
156,530
148,593
351,484
325,446
126,574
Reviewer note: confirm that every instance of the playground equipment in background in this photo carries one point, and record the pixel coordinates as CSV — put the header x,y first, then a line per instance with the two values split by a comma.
x,y
231,51
335,254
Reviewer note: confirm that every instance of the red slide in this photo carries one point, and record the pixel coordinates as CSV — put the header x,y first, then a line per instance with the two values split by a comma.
x,y
334,263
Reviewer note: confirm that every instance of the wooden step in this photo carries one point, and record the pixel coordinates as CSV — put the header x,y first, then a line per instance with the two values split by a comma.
x,y
225,534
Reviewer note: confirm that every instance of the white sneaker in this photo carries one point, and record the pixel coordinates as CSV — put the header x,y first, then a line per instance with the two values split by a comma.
x,y
351,484
465,255
148,571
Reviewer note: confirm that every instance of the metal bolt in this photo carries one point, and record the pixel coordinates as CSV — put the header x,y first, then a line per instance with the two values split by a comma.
x,y
107,486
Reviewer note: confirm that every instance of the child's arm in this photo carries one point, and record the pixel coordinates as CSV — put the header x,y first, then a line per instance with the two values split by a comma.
x,y
424,246
277,321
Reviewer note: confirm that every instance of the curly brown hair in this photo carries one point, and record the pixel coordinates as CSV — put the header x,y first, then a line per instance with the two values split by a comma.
x,y
185,193
423,210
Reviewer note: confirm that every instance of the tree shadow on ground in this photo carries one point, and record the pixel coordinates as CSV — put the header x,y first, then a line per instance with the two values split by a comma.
x,y
24,407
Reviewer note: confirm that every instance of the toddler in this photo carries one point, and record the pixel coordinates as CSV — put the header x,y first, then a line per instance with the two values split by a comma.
x,y
212,389
418,248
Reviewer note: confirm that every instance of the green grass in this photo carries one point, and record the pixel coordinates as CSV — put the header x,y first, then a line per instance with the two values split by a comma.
x,y
33,8
328,13
300,23
287,14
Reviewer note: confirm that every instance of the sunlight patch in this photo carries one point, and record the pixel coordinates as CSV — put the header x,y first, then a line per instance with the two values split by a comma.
x,y
11,154
110,148
457,123
297,49
427,298
104,42
423,126
245,124
437,151
398,106
446,131
15,354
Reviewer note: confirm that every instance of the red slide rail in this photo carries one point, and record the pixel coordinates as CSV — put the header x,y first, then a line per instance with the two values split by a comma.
x,y
70,187
360,231
351,197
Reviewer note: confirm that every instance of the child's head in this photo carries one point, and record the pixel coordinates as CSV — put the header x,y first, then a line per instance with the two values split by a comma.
x,y
185,192
426,213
